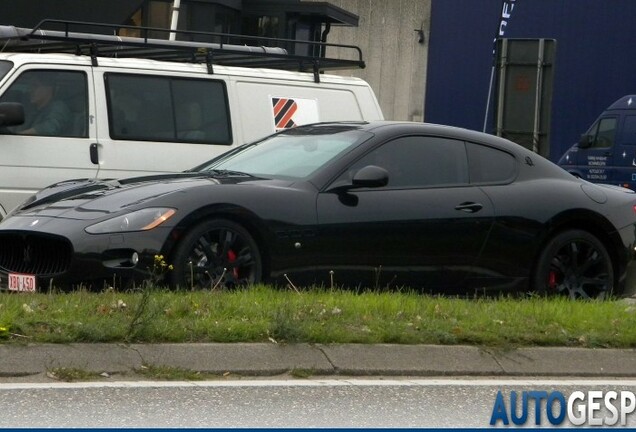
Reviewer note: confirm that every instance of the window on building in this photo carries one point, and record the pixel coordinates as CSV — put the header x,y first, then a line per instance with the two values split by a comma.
x,y
193,16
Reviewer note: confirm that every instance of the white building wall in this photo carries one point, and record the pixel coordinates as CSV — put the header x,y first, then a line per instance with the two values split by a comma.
x,y
396,62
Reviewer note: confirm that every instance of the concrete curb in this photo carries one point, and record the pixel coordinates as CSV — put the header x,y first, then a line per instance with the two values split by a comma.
x,y
262,359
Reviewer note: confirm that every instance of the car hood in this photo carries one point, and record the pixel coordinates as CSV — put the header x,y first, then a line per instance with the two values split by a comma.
x,y
91,199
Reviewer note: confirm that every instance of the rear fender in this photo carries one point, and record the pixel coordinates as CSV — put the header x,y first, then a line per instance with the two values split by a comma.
x,y
593,223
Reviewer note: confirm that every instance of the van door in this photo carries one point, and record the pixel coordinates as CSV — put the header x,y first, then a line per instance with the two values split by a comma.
x,y
53,144
596,151
626,152
155,123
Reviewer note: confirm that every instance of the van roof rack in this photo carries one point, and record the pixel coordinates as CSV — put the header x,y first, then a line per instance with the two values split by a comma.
x,y
220,48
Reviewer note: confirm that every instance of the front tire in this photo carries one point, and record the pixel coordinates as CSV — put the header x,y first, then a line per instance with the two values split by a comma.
x,y
575,264
216,254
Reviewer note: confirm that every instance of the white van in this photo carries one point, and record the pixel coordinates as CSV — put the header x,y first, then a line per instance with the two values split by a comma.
x,y
115,114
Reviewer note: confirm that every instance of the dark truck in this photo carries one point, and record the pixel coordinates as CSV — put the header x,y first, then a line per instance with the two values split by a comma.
x,y
606,153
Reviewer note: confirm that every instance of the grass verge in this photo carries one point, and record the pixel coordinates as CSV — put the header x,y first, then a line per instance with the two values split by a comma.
x,y
264,314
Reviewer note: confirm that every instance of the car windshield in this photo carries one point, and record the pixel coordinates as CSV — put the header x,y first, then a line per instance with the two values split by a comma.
x,y
293,154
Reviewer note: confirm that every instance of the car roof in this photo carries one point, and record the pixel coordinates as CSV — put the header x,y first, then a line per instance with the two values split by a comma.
x,y
389,129
389,126
625,102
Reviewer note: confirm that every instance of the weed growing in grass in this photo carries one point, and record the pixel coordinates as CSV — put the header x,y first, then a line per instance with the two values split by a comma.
x,y
285,325
140,316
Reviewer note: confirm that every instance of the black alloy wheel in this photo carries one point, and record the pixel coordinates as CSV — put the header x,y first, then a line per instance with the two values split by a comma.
x,y
216,254
577,265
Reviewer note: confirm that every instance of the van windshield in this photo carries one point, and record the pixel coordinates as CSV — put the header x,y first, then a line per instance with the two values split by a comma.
x,y
294,154
5,66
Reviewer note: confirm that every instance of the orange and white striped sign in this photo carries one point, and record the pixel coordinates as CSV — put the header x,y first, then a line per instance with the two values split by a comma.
x,y
289,112
284,110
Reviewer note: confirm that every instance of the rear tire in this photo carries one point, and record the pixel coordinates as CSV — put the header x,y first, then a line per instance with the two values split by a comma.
x,y
216,254
575,264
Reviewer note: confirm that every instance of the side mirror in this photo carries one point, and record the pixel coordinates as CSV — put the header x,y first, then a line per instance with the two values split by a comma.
x,y
586,141
11,114
370,176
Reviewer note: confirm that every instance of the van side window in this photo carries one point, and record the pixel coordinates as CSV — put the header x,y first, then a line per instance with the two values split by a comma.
x,y
55,103
155,108
603,133
5,66
629,130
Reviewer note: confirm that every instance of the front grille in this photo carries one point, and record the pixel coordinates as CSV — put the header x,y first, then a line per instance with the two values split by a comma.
x,y
36,254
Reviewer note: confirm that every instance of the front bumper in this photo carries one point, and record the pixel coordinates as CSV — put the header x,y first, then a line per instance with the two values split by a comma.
x,y
79,259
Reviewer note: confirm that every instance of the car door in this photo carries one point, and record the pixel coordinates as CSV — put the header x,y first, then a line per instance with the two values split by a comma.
x,y
424,228
596,157
626,151
53,144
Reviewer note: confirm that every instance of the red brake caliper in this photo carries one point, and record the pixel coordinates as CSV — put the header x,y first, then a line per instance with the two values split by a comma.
x,y
231,257
552,283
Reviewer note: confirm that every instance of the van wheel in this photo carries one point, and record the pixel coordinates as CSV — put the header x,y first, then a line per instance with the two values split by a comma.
x,y
575,264
216,254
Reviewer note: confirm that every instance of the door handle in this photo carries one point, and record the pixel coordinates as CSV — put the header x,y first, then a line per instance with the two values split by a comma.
x,y
94,153
469,207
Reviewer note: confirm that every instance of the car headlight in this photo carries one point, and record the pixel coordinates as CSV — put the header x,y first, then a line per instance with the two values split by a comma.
x,y
140,220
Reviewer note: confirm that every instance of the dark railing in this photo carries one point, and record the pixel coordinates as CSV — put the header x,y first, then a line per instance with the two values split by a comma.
x,y
192,46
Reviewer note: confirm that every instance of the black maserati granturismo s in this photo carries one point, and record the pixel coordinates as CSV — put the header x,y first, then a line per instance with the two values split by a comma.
x,y
376,205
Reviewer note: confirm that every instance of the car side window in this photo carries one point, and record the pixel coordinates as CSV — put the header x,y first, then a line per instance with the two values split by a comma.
x,y
490,165
155,108
420,161
55,103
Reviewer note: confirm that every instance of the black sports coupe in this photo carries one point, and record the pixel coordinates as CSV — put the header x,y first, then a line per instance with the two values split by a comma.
x,y
375,205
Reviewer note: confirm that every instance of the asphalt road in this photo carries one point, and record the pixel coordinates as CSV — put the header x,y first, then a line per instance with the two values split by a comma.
x,y
351,402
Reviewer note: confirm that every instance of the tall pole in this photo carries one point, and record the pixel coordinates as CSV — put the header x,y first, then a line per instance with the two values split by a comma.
x,y
175,18
506,12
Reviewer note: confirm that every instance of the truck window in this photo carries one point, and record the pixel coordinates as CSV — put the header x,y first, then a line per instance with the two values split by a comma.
x,y
155,108
55,103
629,130
603,133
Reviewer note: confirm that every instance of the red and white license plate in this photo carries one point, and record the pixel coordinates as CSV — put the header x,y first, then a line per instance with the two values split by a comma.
x,y
21,282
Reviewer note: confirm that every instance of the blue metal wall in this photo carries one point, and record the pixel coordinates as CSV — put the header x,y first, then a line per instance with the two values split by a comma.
x,y
595,59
